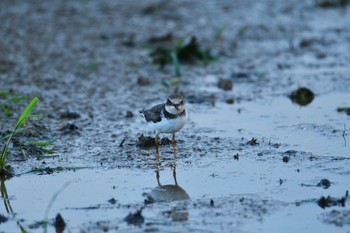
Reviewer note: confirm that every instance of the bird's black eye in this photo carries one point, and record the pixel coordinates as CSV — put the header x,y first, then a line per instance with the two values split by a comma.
x,y
182,102
168,102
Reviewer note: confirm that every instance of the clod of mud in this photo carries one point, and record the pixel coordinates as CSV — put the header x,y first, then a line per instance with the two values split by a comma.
x,y
239,75
225,84
230,101
329,201
135,219
70,128
146,142
129,114
253,142
324,183
331,3
69,115
112,201
59,224
211,202
3,219
302,96
285,159
141,81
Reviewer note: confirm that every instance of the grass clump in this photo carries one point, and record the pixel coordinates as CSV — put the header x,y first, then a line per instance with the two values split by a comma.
x,y
184,52
5,169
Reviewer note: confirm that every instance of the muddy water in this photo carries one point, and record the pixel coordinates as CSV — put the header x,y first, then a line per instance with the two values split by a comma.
x,y
256,191
251,166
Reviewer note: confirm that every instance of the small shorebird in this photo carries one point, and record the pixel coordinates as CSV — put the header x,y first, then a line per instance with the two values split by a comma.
x,y
167,118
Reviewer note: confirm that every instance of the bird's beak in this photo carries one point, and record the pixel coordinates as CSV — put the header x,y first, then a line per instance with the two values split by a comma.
x,y
176,106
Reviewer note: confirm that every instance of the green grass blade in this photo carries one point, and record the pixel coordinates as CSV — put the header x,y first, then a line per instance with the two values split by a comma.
x,y
40,144
26,112
5,93
52,200
176,63
6,110
20,122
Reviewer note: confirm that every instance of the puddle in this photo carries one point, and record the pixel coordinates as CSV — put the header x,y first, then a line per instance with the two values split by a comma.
x,y
86,199
316,128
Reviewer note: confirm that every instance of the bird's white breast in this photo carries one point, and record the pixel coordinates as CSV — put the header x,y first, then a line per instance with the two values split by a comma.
x,y
169,125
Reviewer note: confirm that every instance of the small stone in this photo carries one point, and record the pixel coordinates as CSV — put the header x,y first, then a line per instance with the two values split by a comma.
x,y
285,159
230,101
129,114
302,96
112,201
225,84
59,224
143,81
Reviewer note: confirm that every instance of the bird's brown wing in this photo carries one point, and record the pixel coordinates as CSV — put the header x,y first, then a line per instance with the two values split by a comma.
x,y
153,114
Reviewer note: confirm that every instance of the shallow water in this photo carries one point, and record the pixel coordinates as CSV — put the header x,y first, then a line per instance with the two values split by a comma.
x,y
85,199
317,128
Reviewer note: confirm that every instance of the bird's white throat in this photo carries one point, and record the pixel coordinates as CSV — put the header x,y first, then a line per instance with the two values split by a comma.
x,y
171,109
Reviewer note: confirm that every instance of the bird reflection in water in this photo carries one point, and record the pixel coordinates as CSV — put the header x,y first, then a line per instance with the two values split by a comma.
x,y
170,193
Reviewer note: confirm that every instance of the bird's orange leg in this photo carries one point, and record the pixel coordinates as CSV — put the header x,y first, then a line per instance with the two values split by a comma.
x,y
157,147
173,143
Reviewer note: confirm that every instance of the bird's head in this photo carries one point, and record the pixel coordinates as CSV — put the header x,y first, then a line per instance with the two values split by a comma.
x,y
175,104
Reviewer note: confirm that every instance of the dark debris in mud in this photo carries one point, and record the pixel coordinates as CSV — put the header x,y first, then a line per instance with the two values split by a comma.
x,y
141,81
69,115
135,219
331,3
302,96
324,183
70,128
326,202
146,142
253,142
338,218
60,224
225,84
3,219
112,201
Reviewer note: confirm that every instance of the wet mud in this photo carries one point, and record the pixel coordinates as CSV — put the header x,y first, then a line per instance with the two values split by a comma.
x,y
266,85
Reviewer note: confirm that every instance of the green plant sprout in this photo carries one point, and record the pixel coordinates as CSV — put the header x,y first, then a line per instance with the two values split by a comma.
x,y
4,170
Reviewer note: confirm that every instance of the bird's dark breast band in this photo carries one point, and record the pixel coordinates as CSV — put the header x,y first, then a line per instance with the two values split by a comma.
x,y
154,114
172,116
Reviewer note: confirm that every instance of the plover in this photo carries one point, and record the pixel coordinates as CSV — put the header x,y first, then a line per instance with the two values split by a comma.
x,y
167,118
